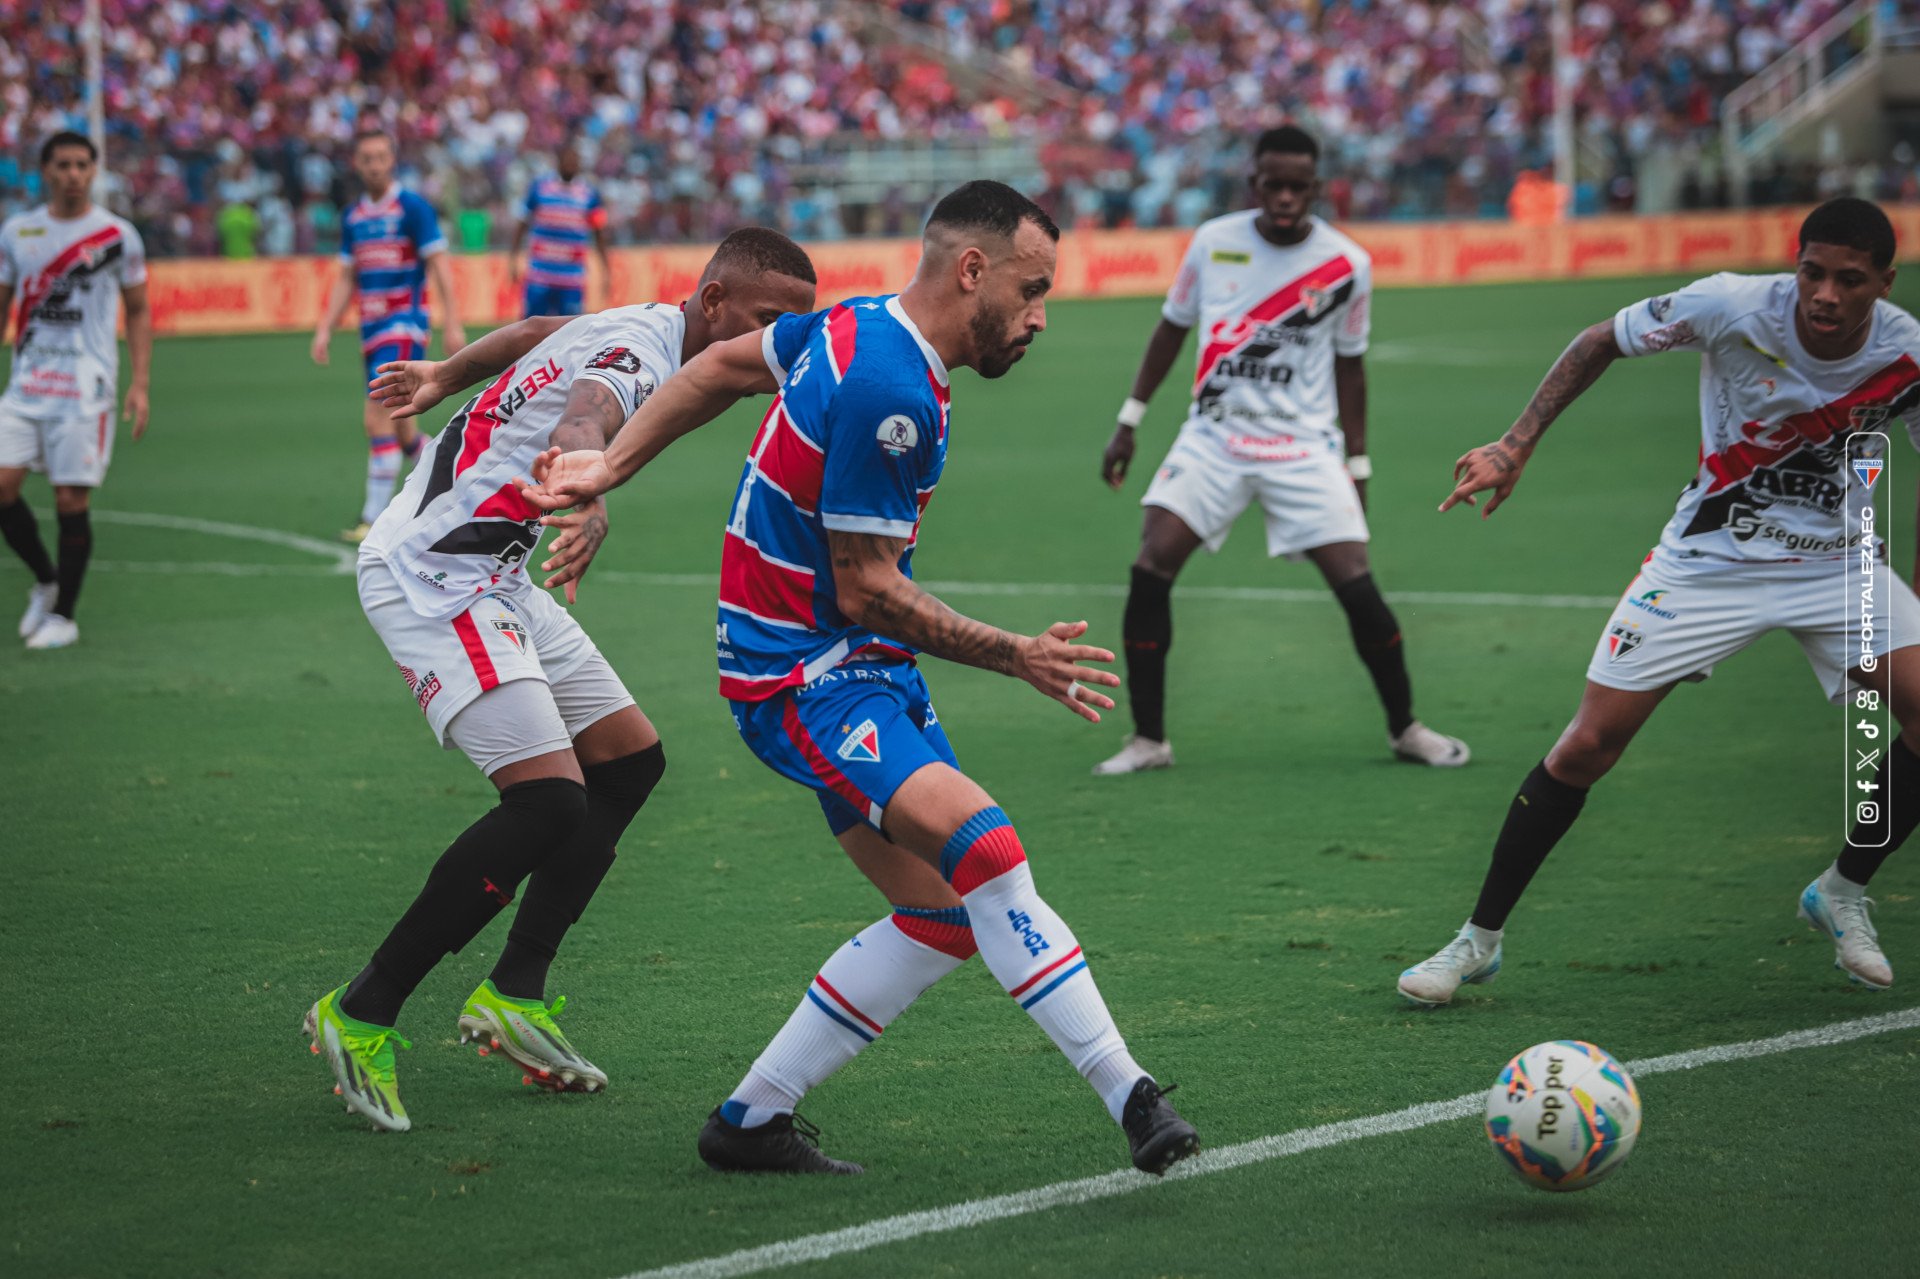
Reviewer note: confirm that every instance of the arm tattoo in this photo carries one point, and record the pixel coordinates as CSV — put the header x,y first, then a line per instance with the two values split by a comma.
x,y
1578,367
592,416
896,606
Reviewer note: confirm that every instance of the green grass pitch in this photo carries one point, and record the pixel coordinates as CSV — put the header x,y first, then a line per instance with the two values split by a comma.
x,y
217,804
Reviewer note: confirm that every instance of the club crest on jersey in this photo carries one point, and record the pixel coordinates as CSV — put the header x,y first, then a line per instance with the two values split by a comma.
x,y
1315,300
618,358
1660,308
1869,417
862,745
516,634
898,434
1621,640
1867,469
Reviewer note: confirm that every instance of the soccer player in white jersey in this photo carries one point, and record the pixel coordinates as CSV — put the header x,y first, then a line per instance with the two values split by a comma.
x,y
504,674
1795,370
1279,417
71,266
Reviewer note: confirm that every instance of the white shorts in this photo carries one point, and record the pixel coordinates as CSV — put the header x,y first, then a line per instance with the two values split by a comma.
x,y
1680,617
453,666
1307,502
73,447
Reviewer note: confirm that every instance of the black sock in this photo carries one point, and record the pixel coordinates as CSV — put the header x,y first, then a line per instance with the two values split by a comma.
x,y
470,884
23,535
1146,633
558,893
1376,634
1899,797
1542,812
76,548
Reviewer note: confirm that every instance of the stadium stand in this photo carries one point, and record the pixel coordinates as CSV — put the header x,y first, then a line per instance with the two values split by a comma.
x,y
228,119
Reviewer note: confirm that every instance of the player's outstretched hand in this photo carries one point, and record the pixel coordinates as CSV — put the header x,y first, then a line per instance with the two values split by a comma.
x,y
321,349
582,530
1050,661
408,388
136,410
1491,468
1118,457
564,479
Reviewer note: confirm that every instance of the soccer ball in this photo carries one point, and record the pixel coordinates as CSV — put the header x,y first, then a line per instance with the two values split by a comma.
x,y
1563,1115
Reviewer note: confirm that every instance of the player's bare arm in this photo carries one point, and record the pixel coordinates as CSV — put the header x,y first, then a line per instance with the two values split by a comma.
x,y
606,265
409,388
1163,348
139,355
453,335
705,387
593,415
1350,400
515,266
339,297
6,311
1497,466
875,593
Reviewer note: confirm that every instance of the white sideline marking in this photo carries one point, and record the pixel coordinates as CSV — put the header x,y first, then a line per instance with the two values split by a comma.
x,y
342,559
834,1243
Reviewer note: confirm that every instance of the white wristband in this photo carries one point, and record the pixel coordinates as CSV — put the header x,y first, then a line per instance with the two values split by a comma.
x,y
1360,466
1132,412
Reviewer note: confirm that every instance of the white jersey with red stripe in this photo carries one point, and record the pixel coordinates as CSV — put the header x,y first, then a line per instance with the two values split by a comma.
x,y
67,274
459,526
1777,425
1271,319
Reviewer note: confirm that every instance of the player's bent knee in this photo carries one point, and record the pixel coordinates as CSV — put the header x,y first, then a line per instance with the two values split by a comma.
x,y
619,788
69,499
984,848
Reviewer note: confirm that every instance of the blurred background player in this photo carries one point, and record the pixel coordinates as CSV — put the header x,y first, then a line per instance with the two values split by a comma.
x,y
562,211
1279,417
72,266
819,628
390,243
1794,365
506,675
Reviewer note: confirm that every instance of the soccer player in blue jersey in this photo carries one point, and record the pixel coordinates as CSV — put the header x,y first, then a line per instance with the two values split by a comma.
x,y
390,243
820,628
563,212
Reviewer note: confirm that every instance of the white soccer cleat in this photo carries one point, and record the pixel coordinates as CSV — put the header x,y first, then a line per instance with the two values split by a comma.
x,y
1856,946
1432,982
40,597
55,632
1421,745
1137,756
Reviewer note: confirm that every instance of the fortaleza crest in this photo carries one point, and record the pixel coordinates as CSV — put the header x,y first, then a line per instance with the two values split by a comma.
x,y
516,634
1867,469
862,744
898,434
1621,640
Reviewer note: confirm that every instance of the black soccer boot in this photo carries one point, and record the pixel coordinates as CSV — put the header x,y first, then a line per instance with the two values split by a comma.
x,y
1157,1136
785,1143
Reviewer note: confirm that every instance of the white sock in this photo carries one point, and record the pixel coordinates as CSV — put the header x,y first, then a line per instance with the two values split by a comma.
x,y
1033,954
1486,938
860,990
1834,884
383,468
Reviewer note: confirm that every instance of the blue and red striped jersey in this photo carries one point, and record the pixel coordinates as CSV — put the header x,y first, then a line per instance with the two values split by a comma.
x,y
562,216
387,245
855,442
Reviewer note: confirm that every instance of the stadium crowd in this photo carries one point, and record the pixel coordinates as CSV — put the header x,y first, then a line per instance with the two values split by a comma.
x,y
228,120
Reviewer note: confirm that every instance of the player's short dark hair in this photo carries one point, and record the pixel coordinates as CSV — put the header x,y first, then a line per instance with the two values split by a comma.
x,y
367,133
67,138
988,206
1288,139
760,251
1851,223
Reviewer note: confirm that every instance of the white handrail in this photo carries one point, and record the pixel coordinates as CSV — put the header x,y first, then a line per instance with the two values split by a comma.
x,y
1755,114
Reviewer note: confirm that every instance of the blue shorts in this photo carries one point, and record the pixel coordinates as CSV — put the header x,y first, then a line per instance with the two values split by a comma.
x,y
387,350
853,736
549,299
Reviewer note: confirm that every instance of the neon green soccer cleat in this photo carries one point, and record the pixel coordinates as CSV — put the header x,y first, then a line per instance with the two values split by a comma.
x,y
361,1055
524,1029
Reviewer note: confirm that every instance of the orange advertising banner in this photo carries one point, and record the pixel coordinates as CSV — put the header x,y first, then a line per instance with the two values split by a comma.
x,y
283,294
